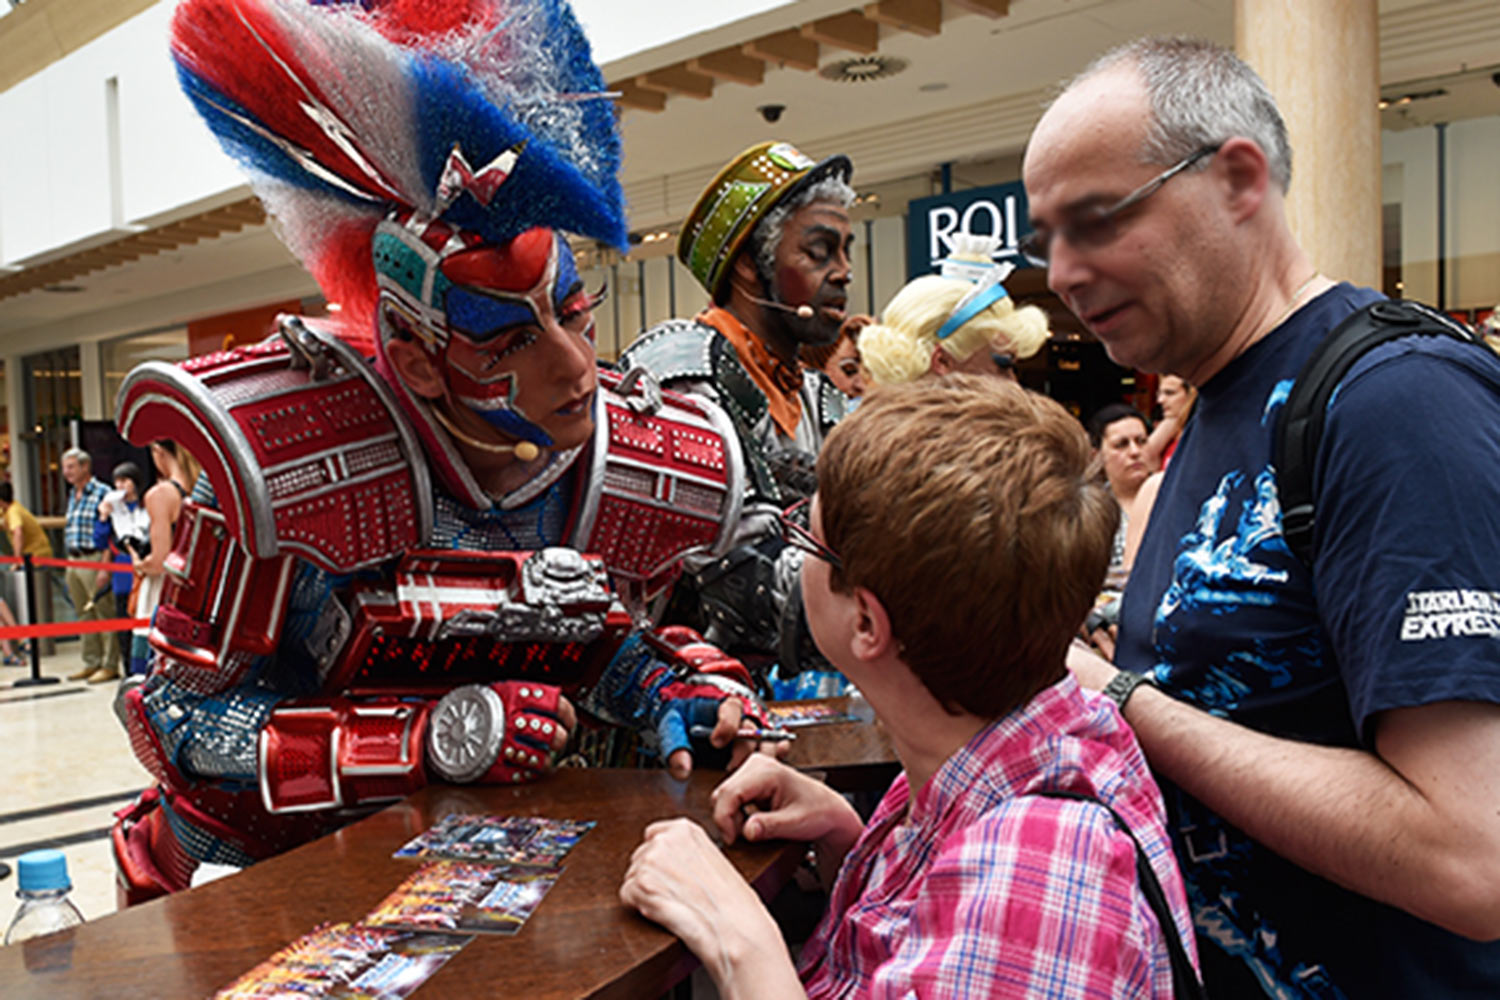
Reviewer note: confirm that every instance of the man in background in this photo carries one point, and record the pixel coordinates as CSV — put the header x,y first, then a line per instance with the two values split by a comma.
x,y
769,242
88,589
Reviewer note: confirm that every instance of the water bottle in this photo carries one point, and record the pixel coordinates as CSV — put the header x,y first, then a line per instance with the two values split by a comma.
x,y
45,906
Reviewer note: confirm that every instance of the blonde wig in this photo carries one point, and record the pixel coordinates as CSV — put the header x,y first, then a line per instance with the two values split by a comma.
x,y
899,347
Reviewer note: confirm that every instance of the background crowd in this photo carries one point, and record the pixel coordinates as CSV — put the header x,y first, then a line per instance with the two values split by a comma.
x,y
127,529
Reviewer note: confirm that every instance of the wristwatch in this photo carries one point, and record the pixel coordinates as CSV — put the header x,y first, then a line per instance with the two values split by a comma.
x,y
1122,685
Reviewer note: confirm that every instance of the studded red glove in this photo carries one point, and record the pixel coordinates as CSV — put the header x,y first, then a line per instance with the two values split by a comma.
x,y
496,733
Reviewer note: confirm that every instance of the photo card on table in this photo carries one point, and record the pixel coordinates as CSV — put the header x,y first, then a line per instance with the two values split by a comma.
x,y
465,897
345,961
510,840
791,715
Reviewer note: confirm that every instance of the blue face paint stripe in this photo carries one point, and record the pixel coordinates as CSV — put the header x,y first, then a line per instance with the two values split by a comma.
x,y
481,317
567,275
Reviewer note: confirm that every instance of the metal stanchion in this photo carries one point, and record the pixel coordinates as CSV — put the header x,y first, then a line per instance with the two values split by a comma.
x,y
36,677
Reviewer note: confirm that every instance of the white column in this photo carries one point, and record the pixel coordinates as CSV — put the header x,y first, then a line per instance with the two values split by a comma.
x,y
18,418
1321,60
91,365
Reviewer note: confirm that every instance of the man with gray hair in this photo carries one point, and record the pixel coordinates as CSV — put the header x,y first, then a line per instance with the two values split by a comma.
x,y
769,241
1327,734
89,589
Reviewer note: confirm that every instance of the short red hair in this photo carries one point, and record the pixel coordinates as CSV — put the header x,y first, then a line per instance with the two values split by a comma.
x,y
966,504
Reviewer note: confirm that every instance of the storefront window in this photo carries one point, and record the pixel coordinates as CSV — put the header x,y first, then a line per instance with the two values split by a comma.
x,y
1441,215
54,392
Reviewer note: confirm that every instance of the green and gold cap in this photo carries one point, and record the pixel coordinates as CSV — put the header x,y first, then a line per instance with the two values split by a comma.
x,y
737,199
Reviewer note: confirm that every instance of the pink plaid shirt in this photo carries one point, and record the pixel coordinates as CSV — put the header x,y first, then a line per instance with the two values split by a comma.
x,y
982,889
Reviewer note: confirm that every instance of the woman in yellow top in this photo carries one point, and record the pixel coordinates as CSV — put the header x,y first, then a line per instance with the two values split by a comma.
x,y
26,538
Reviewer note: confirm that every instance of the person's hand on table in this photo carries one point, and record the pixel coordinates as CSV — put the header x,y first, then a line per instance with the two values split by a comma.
x,y
765,799
681,880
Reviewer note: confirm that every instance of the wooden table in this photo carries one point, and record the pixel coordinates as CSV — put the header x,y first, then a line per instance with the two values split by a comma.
x,y
853,756
580,942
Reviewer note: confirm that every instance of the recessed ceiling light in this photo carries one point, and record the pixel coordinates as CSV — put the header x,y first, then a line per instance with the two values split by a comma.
x,y
863,69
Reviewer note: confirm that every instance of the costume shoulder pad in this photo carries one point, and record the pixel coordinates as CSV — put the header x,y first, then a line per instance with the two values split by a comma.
x,y
673,349
690,349
302,441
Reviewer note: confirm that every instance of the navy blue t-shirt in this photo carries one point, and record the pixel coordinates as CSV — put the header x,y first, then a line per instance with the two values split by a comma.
x,y
1405,612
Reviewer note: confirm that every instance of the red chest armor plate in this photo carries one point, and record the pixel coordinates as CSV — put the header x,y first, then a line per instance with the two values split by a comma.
x,y
310,458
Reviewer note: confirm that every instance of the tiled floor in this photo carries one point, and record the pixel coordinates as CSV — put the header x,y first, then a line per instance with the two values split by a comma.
x,y
70,767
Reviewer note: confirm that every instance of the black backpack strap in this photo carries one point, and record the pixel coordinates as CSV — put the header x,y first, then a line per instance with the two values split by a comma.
x,y
1299,425
1185,982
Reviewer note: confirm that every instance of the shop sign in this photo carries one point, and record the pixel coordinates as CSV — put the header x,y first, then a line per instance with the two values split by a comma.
x,y
998,210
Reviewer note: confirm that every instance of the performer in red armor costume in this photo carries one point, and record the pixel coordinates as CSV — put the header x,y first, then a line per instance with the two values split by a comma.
x,y
404,545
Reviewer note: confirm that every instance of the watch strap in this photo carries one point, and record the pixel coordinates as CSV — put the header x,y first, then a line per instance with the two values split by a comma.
x,y
1122,685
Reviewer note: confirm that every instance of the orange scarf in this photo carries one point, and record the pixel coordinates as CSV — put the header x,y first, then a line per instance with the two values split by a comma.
x,y
779,382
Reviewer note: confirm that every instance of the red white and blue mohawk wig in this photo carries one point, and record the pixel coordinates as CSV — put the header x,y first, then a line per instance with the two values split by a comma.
x,y
385,135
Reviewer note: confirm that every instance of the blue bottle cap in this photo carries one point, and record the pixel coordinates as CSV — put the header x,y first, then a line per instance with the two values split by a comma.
x,y
39,871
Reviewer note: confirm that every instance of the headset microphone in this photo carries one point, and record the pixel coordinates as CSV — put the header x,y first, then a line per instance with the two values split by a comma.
x,y
523,450
803,311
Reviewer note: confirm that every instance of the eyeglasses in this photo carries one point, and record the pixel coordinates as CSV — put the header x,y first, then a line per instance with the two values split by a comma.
x,y
795,535
1090,229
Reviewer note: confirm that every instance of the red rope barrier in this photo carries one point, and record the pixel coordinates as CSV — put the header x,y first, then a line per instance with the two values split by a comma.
x,y
56,629
70,563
